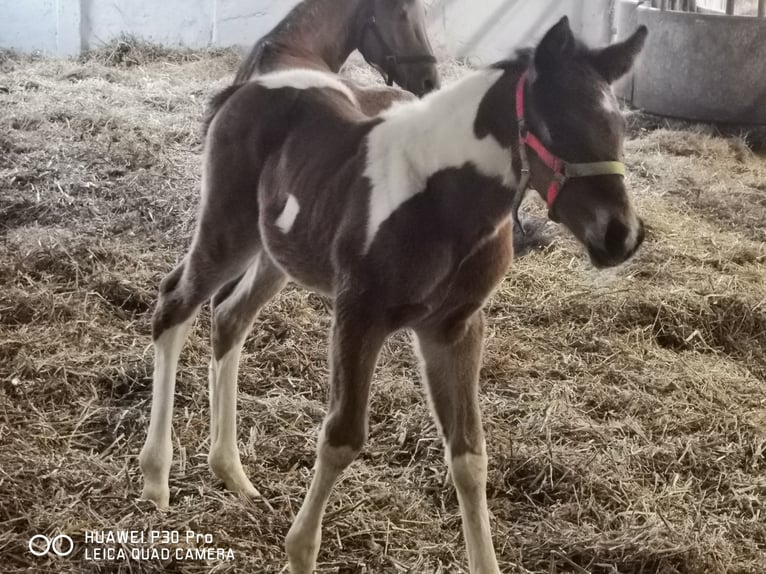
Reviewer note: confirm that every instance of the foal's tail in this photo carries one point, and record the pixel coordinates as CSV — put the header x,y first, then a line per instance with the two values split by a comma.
x,y
214,106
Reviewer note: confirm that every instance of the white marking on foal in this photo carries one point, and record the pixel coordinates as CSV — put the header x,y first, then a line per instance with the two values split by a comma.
x,y
595,233
303,79
305,535
289,213
157,453
469,473
419,138
224,457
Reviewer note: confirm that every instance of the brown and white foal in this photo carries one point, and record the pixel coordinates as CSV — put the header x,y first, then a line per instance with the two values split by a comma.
x,y
321,34
405,221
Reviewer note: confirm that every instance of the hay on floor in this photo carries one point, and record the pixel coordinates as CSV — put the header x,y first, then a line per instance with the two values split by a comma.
x,y
625,411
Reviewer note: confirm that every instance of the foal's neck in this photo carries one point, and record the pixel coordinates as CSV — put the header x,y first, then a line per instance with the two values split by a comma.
x,y
326,31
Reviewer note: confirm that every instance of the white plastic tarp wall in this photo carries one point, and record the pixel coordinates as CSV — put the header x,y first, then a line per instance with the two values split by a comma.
x,y
483,30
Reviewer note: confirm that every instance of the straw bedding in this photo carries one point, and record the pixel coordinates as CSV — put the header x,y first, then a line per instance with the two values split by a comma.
x,y
625,411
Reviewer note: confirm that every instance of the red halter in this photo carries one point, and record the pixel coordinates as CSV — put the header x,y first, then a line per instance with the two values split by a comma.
x,y
561,169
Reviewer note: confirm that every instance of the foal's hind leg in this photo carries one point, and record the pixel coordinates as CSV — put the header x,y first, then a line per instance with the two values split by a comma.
x,y
173,316
233,310
357,336
181,294
450,362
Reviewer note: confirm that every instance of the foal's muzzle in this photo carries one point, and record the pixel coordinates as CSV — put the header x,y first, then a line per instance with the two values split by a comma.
x,y
619,244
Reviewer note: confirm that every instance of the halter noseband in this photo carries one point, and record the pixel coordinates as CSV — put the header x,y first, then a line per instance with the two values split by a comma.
x,y
562,170
391,58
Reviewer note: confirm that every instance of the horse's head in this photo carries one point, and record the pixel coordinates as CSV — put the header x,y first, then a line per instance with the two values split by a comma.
x,y
393,39
573,139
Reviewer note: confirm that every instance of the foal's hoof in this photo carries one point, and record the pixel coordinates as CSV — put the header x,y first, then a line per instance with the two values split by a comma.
x,y
159,495
243,487
229,469
302,550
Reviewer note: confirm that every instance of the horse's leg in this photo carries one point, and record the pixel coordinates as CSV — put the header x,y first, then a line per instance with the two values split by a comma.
x,y
234,309
182,293
357,336
450,365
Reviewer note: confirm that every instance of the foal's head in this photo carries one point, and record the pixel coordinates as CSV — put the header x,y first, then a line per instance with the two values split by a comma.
x,y
570,108
393,39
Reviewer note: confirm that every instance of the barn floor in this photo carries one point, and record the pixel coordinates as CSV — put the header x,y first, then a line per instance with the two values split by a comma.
x,y
625,411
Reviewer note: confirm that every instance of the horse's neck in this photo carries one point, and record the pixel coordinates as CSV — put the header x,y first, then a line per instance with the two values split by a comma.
x,y
310,35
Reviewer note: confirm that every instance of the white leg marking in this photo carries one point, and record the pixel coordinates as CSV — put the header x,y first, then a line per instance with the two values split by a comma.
x,y
224,459
305,535
469,473
224,454
157,454
289,213
212,381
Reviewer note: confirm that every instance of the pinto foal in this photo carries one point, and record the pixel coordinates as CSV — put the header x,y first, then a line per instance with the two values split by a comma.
x,y
405,221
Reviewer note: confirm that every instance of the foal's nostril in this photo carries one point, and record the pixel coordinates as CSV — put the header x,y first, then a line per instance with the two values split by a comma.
x,y
428,85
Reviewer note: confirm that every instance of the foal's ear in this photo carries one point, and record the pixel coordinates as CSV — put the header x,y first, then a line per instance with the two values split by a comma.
x,y
614,61
557,44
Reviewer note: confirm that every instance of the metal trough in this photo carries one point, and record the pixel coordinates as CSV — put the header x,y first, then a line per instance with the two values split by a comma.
x,y
698,66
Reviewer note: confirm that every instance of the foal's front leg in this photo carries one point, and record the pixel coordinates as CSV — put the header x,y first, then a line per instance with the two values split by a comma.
x,y
357,336
450,365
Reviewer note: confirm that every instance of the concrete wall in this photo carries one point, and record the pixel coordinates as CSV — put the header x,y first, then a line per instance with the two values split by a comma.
x,y
721,76
29,25
482,30
172,22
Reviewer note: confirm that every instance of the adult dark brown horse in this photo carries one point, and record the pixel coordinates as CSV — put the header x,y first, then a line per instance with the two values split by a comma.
x,y
321,34
405,221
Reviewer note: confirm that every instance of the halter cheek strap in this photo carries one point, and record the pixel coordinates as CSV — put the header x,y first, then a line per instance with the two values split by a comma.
x,y
562,170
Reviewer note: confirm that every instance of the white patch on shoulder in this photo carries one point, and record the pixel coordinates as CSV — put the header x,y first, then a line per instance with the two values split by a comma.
x,y
289,213
419,138
303,79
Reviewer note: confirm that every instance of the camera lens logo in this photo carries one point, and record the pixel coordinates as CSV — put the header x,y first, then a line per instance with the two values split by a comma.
x,y
41,545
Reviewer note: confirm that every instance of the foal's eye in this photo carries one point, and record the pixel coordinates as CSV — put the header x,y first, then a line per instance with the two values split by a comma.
x,y
403,14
